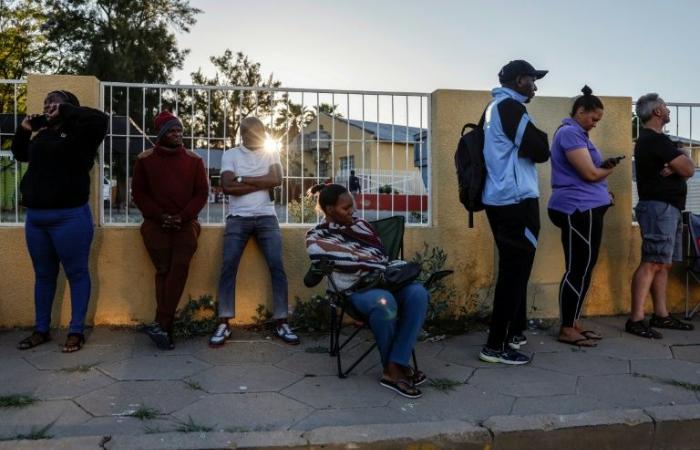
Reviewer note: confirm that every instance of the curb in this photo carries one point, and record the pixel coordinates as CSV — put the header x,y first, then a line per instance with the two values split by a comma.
x,y
655,428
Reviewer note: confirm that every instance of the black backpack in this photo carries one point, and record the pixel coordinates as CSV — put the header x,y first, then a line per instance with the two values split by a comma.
x,y
471,167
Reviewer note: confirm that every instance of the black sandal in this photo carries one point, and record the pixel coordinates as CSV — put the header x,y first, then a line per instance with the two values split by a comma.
x,y
639,328
37,338
74,342
417,376
579,342
402,387
669,322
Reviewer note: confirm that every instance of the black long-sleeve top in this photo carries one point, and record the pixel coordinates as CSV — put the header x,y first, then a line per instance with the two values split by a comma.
x,y
60,160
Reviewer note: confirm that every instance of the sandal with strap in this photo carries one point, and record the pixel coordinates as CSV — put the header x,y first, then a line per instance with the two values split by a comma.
x,y
670,322
74,342
639,328
590,334
37,338
417,376
402,387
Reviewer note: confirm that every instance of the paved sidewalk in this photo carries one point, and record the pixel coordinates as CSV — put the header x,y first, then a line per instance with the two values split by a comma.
x,y
256,384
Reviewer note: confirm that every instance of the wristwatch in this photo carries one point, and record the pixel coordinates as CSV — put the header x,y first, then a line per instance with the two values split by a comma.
x,y
239,179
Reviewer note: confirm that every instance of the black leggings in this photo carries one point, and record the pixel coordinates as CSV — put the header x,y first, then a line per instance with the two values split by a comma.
x,y
581,233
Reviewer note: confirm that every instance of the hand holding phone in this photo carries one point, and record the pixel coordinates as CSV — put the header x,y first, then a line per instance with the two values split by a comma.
x,y
612,162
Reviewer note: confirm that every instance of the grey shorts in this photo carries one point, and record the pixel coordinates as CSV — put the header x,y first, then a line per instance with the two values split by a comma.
x,y
661,226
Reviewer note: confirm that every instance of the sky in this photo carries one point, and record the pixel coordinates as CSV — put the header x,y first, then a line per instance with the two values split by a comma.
x,y
618,47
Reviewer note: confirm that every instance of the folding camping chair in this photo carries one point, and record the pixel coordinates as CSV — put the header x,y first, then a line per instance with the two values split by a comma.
x,y
390,231
691,257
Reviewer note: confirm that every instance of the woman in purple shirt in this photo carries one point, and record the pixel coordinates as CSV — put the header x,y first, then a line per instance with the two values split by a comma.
x,y
579,200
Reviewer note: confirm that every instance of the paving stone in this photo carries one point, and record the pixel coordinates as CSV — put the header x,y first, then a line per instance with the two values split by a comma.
x,y
475,338
630,391
56,385
333,392
462,356
125,397
208,441
576,363
426,349
559,404
356,416
465,402
687,352
17,377
633,347
253,411
38,415
673,370
319,364
679,337
90,355
523,381
244,352
157,367
245,378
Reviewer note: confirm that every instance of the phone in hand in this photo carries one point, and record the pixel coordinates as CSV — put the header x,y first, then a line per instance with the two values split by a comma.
x,y
617,159
39,121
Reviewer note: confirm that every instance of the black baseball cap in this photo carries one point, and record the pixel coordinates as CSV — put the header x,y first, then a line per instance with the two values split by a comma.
x,y
514,69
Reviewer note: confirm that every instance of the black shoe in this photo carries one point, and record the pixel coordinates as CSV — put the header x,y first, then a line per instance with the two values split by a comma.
x,y
669,322
641,329
159,336
508,356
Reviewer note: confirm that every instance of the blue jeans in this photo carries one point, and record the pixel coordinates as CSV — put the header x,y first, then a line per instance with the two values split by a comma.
x,y
395,319
60,236
266,231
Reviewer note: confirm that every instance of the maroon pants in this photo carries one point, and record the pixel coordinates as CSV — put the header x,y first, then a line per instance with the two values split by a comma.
x,y
171,252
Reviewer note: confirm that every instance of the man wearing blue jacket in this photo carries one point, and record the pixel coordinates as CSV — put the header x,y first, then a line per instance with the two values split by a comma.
x,y
512,147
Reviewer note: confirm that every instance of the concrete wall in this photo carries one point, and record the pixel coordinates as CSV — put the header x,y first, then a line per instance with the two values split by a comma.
x,y
123,290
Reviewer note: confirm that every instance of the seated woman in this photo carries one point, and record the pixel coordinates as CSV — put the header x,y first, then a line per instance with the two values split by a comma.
x,y
395,318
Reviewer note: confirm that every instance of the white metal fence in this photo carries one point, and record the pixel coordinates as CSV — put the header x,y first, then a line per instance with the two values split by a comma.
x,y
685,132
322,135
13,97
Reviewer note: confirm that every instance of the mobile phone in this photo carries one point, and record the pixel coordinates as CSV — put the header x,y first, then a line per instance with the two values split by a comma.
x,y
617,159
39,122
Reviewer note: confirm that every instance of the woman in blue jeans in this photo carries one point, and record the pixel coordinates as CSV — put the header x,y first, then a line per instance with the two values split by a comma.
x,y
60,147
395,318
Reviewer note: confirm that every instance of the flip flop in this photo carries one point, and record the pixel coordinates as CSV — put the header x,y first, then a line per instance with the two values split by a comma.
x,y
590,334
579,342
402,387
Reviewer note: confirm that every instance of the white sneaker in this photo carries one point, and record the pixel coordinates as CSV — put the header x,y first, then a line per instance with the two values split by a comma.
x,y
219,337
285,333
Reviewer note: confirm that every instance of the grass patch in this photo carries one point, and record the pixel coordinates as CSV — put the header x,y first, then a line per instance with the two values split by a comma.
x,y
190,426
16,401
83,368
681,384
198,317
444,384
316,349
145,413
194,385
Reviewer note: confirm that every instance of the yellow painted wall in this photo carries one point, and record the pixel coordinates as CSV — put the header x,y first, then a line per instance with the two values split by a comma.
x,y
123,288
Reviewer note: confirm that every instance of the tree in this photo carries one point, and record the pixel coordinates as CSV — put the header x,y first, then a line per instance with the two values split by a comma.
x,y
22,45
120,40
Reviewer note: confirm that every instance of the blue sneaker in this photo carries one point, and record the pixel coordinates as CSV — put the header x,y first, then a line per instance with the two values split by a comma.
x,y
517,341
159,336
508,356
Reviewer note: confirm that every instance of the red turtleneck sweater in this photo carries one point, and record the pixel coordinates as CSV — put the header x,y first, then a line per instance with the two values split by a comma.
x,y
171,182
